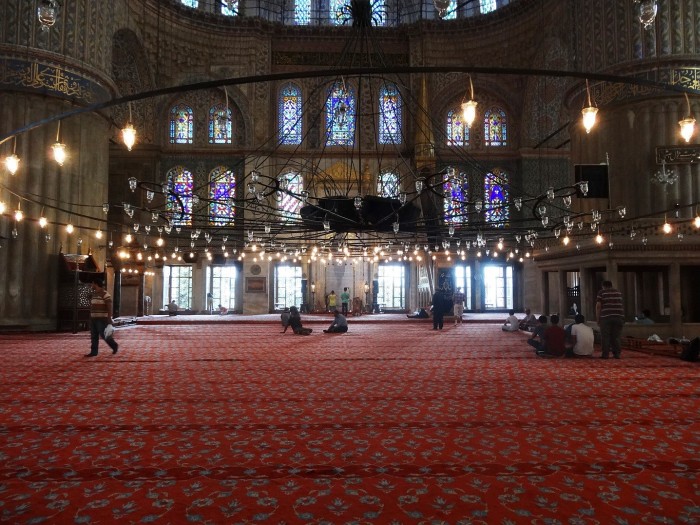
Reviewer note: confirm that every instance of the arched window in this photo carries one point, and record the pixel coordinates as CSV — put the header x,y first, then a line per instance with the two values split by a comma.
x,y
340,116
451,12
486,6
388,185
389,115
302,12
290,201
222,192
456,129
181,124
338,11
289,109
379,17
190,3
495,127
179,198
455,187
220,124
496,209
229,7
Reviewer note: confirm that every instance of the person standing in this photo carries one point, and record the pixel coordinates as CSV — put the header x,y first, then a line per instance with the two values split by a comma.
x,y
610,314
345,300
210,303
439,308
331,301
100,317
458,300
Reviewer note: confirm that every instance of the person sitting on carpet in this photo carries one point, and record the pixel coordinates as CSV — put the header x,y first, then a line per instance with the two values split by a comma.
x,y
295,322
511,324
536,339
285,319
339,324
418,314
172,308
552,341
582,339
222,310
528,323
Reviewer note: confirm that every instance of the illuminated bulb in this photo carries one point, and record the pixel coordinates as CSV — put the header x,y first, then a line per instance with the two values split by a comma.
x,y
98,234
500,245
59,153
129,136
160,241
696,222
469,112
667,227
69,228
19,215
43,222
687,128
12,163
599,239
128,237
589,115
566,240
2,207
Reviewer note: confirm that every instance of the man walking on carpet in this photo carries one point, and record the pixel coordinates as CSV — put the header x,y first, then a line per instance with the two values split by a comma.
x,y
610,314
100,318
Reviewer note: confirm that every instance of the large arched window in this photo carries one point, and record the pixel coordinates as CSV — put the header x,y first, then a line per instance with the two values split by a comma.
x,y
495,127
340,116
496,209
289,114
220,125
290,201
179,198
389,115
302,12
456,129
181,124
229,7
222,192
455,188
388,185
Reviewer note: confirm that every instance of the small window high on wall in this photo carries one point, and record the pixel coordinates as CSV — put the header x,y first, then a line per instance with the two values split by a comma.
x,y
222,192
290,201
495,127
388,185
289,114
340,115
229,7
456,129
496,208
179,198
181,124
389,115
455,196
220,125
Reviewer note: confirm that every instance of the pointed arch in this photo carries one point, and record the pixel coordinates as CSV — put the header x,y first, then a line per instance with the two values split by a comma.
x,y
456,129
179,198
290,114
496,210
495,127
222,194
181,124
390,114
220,130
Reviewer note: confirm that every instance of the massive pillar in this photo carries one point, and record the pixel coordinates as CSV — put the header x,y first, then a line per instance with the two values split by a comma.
x,y
44,73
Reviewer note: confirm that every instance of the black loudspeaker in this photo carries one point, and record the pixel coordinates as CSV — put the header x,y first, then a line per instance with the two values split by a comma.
x,y
597,177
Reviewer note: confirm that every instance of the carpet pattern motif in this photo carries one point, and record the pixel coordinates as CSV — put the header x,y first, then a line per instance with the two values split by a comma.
x,y
396,425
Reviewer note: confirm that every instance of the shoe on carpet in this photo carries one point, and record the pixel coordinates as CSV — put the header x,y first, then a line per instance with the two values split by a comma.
x,y
116,347
90,355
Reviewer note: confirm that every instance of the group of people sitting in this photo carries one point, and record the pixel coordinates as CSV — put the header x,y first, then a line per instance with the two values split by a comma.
x,y
292,318
551,340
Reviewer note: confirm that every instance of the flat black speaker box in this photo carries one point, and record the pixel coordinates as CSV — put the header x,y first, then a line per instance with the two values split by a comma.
x,y
597,177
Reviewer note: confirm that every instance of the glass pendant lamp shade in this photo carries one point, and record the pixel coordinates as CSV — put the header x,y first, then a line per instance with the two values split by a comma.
x,y
589,115
129,136
12,163
59,153
688,123
469,112
646,11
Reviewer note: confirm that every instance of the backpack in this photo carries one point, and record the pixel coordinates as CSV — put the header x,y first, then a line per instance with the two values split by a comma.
x,y
691,351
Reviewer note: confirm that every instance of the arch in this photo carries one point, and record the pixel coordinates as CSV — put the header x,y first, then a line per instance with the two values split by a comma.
x,y
456,129
180,192
390,114
495,127
289,114
181,124
222,194
220,124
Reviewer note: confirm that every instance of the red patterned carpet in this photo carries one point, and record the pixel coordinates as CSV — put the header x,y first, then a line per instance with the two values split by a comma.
x,y
235,423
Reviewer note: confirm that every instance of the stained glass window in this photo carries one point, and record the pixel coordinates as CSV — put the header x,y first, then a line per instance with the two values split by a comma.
x,y
339,11
219,125
495,127
302,12
222,192
389,115
229,7
378,12
487,6
451,12
190,3
388,184
496,198
290,201
179,199
181,124
455,187
290,114
456,129
340,116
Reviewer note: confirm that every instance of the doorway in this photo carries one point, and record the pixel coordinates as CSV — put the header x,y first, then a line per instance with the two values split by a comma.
x,y
498,287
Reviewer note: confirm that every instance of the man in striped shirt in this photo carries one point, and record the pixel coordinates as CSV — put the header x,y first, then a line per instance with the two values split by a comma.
x,y
100,317
611,318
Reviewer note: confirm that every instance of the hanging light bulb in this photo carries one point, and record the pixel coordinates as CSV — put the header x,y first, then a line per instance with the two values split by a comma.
x,y
599,238
47,14
19,215
696,222
688,123
69,228
12,161
646,11
98,234
59,149
589,113
129,136
469,107
666,227
42,221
